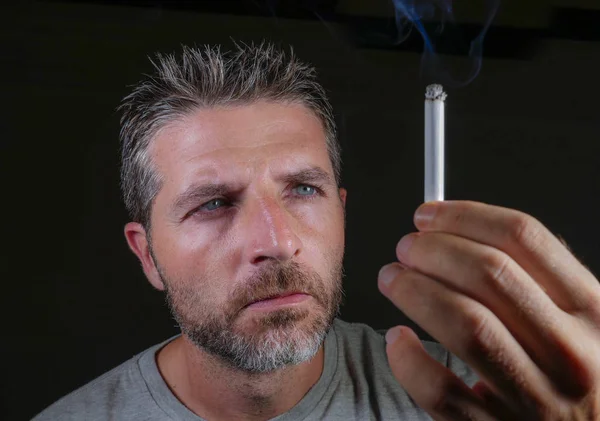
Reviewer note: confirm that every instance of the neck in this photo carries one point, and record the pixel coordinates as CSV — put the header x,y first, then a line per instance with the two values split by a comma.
x,y
214,391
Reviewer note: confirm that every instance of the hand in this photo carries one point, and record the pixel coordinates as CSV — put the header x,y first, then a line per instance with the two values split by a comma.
x,y
499,291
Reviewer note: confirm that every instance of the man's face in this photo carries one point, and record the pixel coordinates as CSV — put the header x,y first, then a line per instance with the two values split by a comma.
x,y
249,209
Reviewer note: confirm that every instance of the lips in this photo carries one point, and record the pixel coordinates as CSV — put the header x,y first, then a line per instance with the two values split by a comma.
x,y
270,297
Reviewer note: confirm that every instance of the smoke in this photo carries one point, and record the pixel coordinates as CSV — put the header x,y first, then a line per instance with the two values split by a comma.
x,y
435,21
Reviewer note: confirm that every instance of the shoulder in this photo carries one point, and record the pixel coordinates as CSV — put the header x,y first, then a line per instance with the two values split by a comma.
x,y
118,392
360,340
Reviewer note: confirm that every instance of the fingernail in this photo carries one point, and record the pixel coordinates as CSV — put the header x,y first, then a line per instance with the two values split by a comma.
x,y
425,213
404,245
388,273
392,335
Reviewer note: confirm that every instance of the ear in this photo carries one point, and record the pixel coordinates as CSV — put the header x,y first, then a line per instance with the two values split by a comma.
x,y
138,243
343,194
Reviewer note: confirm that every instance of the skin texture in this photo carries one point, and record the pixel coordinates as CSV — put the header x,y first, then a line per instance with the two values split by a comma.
x,y
506,296
219,250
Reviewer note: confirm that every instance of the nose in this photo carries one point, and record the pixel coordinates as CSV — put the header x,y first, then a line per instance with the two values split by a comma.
x,y
270,232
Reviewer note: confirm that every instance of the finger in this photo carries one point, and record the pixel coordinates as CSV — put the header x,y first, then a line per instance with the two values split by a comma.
x,y
473,333
568,283
494,403
432,386
492,278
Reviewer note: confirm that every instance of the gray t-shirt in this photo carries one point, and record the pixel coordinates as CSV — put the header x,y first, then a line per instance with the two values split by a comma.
x,y
356,384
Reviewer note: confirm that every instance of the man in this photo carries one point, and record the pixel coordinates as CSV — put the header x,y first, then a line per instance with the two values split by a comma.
x,y
231,171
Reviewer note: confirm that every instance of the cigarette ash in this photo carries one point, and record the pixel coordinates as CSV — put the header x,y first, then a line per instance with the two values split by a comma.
x,y
435,92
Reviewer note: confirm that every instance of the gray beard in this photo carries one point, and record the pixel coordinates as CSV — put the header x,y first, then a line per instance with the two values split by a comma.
x,y
278,341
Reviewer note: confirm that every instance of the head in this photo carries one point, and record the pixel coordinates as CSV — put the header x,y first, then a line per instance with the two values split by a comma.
x,y
230,173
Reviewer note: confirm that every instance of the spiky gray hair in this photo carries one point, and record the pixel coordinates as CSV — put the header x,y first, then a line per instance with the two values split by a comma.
x,y
202,78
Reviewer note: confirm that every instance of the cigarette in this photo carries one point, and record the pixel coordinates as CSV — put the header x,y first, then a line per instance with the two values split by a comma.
x,y
434,142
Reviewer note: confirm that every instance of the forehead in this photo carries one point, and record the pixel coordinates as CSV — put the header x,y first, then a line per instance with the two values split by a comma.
x,y
246,139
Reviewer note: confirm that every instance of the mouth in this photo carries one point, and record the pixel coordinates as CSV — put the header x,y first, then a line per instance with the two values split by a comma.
x,y
278,300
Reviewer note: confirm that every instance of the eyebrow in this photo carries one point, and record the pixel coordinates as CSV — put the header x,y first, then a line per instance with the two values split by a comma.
x,y
197,193
309,175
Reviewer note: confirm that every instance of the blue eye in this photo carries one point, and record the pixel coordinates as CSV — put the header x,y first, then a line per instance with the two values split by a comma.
x,y
306,190
213,204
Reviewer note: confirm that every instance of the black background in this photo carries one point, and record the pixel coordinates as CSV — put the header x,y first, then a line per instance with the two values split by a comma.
x,y
524,134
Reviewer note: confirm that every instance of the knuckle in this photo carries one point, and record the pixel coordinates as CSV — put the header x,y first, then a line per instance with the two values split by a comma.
x,y
525,230
496,270
590,310
477,332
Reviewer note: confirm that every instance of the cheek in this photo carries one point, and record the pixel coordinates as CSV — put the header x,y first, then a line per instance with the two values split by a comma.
x,y
331,226
194,255
324,240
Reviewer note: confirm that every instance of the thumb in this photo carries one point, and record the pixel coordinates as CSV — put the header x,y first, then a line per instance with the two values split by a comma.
x,y
432,385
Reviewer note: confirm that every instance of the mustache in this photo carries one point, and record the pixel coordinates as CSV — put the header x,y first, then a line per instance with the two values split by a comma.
x,y
277,279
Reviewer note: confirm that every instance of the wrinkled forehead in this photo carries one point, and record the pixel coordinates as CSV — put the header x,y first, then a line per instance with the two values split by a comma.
x,y
240,141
